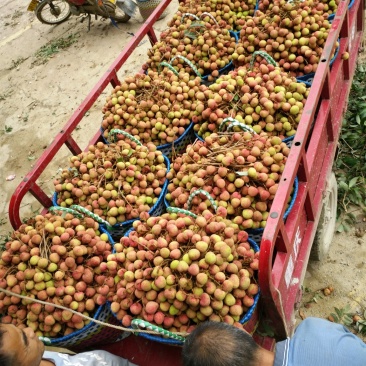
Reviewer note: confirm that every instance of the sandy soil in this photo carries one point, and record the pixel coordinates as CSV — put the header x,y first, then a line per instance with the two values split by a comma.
x,y
38,95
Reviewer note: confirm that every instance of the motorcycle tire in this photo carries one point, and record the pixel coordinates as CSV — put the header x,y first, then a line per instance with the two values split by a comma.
x,y
115,12
53,12
120,16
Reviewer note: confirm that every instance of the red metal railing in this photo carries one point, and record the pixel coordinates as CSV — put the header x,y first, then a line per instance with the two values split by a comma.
x,y
29,183
285,248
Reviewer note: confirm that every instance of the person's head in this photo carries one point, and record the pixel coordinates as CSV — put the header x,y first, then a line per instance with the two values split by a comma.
x,y
219,344
19,347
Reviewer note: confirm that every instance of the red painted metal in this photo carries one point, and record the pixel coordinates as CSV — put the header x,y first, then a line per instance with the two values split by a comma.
x,y
64,136
285,247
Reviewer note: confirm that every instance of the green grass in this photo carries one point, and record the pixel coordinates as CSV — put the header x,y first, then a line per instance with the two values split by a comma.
x,y
51,48
350,165
17,62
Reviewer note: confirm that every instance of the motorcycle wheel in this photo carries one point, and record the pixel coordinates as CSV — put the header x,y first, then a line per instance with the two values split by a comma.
x,y
53,12
114,12
120,16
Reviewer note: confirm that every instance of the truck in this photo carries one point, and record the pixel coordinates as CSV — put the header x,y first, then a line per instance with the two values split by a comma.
x,y
286,245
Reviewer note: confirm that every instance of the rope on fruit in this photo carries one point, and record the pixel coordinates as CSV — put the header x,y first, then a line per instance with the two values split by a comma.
x,y
132,138
139,323
200,191
242,126
181,211
54,209
211,16
189,15
265,55
92,215
10,293
194,68
170,67
234,123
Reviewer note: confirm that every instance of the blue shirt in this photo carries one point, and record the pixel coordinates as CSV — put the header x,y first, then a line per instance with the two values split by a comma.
x,y
318,342
92,358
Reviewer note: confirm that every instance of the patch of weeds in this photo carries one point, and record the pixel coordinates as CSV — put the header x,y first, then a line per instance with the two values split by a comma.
x,y
7,129
5,95
315,296
342,315
360,323
4,238
266,330
31,217
17,62
350,165
51,48
17,14
355,322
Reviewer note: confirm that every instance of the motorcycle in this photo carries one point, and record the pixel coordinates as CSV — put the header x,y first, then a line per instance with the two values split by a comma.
x,y
57,11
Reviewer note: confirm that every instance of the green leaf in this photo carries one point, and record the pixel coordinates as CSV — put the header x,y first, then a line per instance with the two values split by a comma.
x,y
197,24
340,229
353,182
350,161
335,317
343,185
346,228
347,320
339,312
190,35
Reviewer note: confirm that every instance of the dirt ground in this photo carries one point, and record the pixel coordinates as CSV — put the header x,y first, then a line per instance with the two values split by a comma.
x,y
39,93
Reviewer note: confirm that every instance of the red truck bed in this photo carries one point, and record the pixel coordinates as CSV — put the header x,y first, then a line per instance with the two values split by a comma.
x,y
285,247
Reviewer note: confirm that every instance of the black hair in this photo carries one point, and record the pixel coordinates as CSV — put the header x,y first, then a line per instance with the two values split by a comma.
x,y
5,359
219,344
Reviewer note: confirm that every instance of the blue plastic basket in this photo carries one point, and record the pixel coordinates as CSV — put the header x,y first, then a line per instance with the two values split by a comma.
x,y
92,335
332,16
287,140
308,78
157,209
179,145
176,147
225,70
256,234
243,320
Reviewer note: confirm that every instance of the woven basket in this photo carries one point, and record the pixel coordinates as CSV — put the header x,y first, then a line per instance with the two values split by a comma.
x,y
308,78
118,230
148,6
332,16
245,320
179,145
250,322
256,234
176,147
287,140
92,335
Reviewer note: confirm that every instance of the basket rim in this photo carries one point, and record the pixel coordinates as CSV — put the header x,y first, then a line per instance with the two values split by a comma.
x,y
287,212
129,222
246,317
82,330
160,147
305,78
332,16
